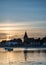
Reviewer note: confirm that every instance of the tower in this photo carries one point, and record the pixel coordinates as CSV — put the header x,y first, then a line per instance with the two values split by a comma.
x,y
25,37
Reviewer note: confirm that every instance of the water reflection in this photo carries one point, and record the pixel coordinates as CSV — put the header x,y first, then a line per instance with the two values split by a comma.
x,y
22,57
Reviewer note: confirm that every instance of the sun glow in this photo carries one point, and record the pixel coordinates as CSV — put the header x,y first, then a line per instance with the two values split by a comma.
x,y
16,30
7,29
8,37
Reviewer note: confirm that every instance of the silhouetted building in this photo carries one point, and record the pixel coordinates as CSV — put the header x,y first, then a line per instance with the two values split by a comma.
x,y
25,38
28,42
43,41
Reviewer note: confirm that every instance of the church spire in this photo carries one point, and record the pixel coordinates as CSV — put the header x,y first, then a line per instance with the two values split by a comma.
x,y
25,37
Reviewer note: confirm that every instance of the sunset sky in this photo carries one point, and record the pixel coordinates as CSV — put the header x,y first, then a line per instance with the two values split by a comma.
x,y
18,16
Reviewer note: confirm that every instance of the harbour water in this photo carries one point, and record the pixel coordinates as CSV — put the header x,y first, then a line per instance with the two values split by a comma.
x,y
19,57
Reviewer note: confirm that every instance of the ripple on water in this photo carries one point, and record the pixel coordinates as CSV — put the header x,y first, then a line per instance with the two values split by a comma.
x,y
25,63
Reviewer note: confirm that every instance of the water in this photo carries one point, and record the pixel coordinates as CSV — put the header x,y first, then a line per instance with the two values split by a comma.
x,y
21,58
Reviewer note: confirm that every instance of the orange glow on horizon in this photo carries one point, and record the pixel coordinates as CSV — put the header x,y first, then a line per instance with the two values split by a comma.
x,y
10,31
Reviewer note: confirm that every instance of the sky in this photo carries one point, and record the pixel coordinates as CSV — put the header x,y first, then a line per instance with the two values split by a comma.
x,y
18,16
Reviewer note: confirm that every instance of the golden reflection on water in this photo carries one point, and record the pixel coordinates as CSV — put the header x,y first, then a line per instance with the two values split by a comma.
x,y
19,56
